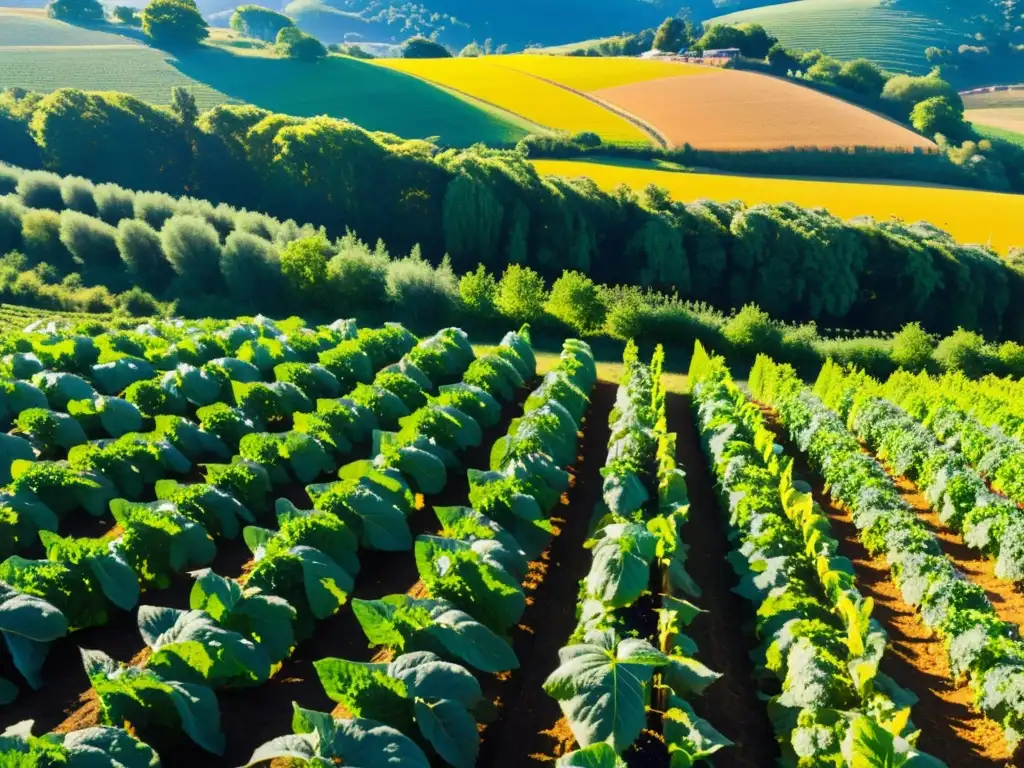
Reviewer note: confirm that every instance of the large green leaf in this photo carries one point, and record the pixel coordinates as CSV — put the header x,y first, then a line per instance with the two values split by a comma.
x,y
118,581
411,624
104,747
29,616
327,583
366,690
600,685
599,755
450,729
428,677
621,569
688,737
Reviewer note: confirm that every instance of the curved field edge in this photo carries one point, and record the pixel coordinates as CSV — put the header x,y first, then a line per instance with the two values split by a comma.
x,y
971,216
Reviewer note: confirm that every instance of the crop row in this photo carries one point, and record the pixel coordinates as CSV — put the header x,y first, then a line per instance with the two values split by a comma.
x,y
817,637
471,572
954,409
990,652
85,579
322,578
987,521
617,658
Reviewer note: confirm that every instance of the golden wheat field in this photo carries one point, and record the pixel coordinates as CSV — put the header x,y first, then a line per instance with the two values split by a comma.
x,y
521,94
971,216
592,74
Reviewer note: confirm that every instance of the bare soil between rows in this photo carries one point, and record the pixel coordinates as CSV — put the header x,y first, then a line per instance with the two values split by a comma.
x,y
525,732
951,728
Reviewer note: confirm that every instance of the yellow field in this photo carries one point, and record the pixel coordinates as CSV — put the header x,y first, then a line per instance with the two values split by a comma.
x,y
592,74
523,95
970,216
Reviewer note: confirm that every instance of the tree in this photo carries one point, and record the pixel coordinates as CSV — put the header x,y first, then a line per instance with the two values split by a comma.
x,y
293,43
912,348
907,90
670,36
471,51
576,300
477,291
252,271
753,40
192,246
862,76
304,266
75,10
521,294
174,22
424,48
127,15
183,105
259,22
781,60
938,115
142,253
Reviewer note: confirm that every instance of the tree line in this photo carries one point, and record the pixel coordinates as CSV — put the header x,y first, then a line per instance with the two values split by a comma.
x,y
490,207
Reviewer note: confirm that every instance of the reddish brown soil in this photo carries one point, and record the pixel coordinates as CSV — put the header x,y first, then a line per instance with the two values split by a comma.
x,y
1005,596
529,729
730,704
951,729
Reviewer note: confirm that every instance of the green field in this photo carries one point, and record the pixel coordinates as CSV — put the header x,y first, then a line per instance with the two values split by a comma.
x,y
850,29
372,97
989,132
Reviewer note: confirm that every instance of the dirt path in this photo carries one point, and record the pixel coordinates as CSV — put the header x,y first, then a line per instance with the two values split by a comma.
x,y
951,729
530,730
731,704
657,136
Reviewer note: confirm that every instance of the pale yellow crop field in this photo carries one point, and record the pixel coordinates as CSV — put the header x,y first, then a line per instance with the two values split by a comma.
x,y
521,94
971,216
592,74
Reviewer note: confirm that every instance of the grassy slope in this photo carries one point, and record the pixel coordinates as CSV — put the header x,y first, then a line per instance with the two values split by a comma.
x,y
849,29
988,132
970,216
372,97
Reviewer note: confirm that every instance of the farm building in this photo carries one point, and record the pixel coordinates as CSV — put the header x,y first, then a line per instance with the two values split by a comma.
x,y
722,53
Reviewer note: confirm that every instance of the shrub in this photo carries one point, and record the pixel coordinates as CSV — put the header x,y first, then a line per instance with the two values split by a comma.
x,y
155,208
251,269
521,294
304,266
142,253
870,355
963,351
293,43
938,115
577,302
138,303
424,48
908,90
39,189
9,176
174,22
1011,359
751,330
75,10
77,194
421,293
40,235
114,203
257,224
359,278
478,290
912,348
89,240
192,247
128,15
11,212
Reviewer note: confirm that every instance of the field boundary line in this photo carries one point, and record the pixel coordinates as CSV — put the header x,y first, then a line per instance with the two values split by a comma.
x,y
647,128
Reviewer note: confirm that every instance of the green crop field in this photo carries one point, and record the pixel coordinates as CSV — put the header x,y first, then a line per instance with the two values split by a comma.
x,y
989,132
849,29
372,97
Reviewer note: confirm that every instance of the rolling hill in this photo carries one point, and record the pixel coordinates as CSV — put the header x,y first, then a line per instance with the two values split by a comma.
x,y
42,54
893,35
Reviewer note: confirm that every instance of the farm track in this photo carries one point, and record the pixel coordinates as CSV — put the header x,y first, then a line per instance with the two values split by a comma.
x,y
731,703
951,728
530,730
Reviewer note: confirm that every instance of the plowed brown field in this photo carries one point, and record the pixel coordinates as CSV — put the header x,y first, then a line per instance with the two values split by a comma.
x,y
744,110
